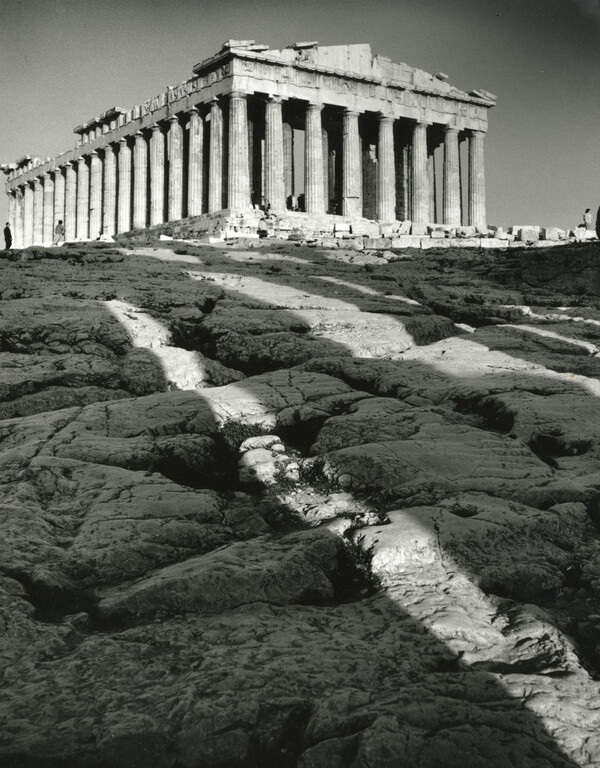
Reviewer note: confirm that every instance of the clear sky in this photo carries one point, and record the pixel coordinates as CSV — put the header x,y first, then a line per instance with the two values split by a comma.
x,y
64,61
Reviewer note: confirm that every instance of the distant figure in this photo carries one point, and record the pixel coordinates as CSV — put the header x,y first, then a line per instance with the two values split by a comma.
x,y
301,202
59,233
254,199
587,219
292,203
268,208
262,229
7,236
598,223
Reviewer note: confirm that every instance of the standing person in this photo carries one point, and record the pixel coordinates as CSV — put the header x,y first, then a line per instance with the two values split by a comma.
x,y
587,219
59,233
7,236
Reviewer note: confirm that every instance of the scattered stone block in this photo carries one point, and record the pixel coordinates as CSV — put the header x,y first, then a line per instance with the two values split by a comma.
x,y
437,233
528,235
418,229
405,227
501,234
406,241
385,230
483,231
465,231
549,233
341,228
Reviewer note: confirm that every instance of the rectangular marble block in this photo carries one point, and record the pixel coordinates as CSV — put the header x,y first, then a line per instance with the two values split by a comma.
x,y
493,242
406,241
465,242
434,242
419,229
377,243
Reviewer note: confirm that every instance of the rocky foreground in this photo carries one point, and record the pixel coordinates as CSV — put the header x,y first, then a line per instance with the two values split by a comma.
x,y
284,506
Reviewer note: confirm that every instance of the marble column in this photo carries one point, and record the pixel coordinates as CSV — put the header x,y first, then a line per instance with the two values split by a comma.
x,y
195,164
48,225
175,144
95,196
11,217
70,202
420,178
124,201
83,199
109,191
288,160
27,215
386,170
313,160
140,181
59,197
274,178
352,168
451,178
157,175
215,159
18,209
476,193
38,212
238,181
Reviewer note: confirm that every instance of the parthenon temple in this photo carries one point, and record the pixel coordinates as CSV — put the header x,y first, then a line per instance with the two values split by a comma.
x,y
309,131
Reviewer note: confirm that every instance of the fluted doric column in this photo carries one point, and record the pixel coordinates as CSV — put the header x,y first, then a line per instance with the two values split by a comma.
x,y
352,166
83,199
195,167
420,177
48,223
386,170
274,178
157,175
175,169
109,191
238,176
18,214
313,160
451,178
95,196
288,159
28,215
59,198
140,181
215,159
124,202
476,207
11,216
70,202
38,212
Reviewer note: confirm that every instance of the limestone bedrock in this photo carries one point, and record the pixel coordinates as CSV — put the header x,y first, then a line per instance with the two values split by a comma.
x,y
284,506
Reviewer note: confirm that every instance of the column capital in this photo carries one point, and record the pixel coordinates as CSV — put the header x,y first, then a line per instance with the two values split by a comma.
x,y
274,98
214,102
422,124
108,148
46,175
352,112
450,129
94,153
193,110
385,118
314,106
476,133
238,95
155,127
123,141
138,135
172,119
37,181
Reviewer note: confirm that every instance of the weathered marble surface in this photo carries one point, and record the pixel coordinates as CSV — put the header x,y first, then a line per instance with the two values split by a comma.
x,y
292,510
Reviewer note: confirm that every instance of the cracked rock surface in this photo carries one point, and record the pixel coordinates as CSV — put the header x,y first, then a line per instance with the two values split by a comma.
x,y
280,506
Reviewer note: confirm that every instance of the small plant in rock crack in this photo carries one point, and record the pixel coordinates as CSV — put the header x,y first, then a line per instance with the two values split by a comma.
x,y
311,474
355,575
233,433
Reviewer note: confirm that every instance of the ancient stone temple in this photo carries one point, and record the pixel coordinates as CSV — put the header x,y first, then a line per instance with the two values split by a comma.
x,y
312,131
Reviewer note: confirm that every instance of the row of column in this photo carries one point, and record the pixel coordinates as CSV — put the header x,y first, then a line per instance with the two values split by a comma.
x,y
139,182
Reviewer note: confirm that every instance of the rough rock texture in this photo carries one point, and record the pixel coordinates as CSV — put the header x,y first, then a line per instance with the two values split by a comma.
x,y
280,506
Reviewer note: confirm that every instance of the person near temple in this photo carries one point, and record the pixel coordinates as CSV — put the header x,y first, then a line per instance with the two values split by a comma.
x,y
59,233
598,223
7,236
587,219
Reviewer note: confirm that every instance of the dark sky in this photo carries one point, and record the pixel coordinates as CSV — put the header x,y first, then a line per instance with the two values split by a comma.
x,y
64,61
